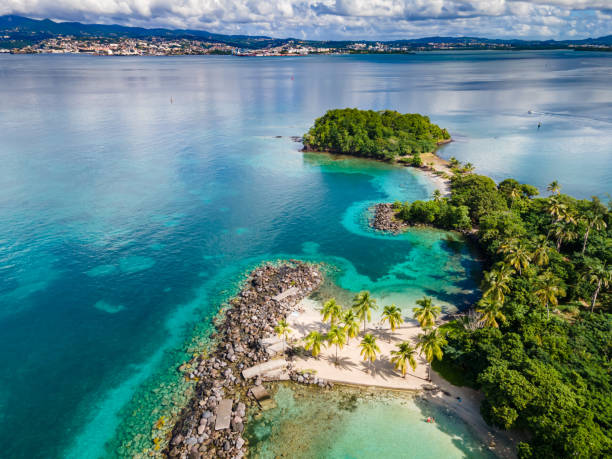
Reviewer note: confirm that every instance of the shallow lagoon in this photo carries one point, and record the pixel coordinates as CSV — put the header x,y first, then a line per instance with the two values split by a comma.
x,y
357,423
153,211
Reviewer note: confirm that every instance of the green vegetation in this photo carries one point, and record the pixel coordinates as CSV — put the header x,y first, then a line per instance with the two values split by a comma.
x,y
313,343
430,344
449,372
393,316
369,348
363,304
331,311
404,355
351,324
336,337
383,135
538,343
427,313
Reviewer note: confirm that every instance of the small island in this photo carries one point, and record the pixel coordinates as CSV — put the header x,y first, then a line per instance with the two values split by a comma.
x,y
408,139
385,135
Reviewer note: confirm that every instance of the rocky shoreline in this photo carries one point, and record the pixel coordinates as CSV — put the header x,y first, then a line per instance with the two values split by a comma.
x,y
270,294
384,219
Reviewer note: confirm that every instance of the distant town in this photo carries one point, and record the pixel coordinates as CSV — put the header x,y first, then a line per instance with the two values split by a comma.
x,y
173,47
20,35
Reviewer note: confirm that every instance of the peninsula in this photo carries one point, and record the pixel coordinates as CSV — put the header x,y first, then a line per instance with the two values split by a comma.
x,y
536,345
528,361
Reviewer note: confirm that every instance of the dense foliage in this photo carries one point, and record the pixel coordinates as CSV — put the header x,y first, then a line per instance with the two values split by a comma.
x,y
381,135
538,343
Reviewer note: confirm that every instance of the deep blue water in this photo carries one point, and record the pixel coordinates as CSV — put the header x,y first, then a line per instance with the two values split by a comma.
x,y
126,219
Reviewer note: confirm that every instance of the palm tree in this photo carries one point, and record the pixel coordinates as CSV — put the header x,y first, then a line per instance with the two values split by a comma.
x,y
363,304
554,187
468,168
507,246
556,209
569,217
314,340
515,193
592,220
599,274
495,283
431,343
351,324
549,288
282,330
490,311
563,232
369,348
404,356
331,311
437,196
393,315
518,257
540,254
337,337
427,313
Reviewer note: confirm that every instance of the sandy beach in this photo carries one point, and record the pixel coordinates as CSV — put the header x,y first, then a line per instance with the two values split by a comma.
x,y
352,370
439,165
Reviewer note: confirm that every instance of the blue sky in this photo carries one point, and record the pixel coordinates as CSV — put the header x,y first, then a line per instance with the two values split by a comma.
x,y
341,19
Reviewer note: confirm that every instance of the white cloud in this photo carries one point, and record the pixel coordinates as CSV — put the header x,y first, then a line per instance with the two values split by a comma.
x,y
333,19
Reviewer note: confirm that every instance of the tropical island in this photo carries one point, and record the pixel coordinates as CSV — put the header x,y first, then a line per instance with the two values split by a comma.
x,y
385,135
526,366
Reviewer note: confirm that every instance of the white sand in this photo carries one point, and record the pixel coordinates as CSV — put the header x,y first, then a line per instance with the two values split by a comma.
x,y
439,165
351,368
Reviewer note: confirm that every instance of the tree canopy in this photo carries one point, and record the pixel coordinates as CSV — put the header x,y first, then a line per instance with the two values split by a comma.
x,y
540,350
374,134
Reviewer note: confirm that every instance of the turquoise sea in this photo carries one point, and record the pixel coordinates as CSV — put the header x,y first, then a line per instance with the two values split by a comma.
x,y
136,192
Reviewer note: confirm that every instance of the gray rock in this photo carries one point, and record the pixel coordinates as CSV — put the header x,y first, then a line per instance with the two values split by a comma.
x,y
239,442
177,440
191,441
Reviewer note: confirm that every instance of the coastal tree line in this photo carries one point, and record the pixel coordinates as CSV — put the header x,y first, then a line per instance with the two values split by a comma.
x,y
537,344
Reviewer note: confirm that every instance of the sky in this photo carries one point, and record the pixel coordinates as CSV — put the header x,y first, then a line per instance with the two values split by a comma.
x,y
341,19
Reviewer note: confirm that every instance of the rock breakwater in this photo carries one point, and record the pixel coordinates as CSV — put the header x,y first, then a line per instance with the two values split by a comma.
x,y
384,219
212,424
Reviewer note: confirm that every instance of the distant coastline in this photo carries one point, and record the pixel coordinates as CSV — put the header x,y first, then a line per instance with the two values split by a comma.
x,y
22,35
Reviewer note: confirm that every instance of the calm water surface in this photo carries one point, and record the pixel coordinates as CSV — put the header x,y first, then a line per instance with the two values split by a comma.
x,y
125,219
345,423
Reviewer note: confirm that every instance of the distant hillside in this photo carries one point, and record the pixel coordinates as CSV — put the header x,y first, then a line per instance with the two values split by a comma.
x,y
22,30
18,27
